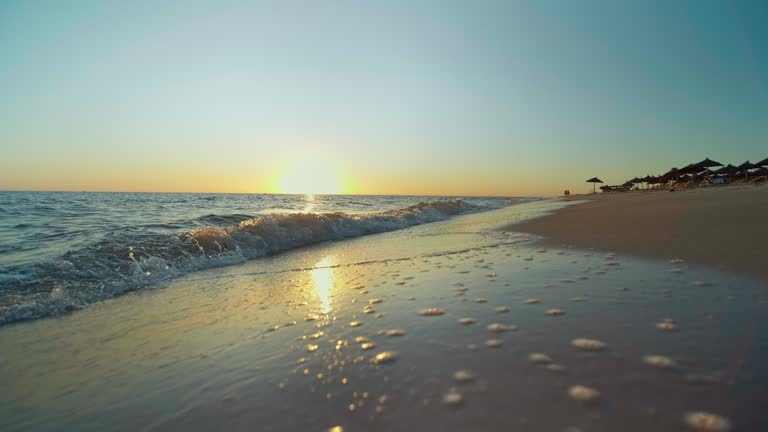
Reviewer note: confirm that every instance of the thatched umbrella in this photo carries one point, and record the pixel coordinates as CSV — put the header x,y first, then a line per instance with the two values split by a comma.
x,y
746,166
708,163
594,181
763,162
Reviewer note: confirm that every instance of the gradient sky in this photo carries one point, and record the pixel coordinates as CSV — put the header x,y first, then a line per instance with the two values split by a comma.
x,y
407,97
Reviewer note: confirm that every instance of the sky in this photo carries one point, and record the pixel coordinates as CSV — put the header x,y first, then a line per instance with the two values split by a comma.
x,y
439,97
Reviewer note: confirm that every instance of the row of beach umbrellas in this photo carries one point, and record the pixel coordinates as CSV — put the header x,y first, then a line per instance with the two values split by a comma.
x,y
696,171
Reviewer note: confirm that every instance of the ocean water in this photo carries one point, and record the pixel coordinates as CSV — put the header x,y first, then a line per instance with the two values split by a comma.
x,y
62,251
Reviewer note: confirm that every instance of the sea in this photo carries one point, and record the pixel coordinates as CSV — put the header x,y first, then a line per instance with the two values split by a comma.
x,y
62,251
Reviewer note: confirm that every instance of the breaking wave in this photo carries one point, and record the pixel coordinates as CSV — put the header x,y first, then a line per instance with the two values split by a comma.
x,y
132,258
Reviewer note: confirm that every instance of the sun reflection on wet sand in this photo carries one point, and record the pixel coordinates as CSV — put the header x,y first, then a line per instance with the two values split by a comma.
x,y
322,279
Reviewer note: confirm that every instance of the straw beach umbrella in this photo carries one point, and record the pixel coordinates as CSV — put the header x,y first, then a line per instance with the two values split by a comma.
x,y
594,181
708,163
763,162
746,166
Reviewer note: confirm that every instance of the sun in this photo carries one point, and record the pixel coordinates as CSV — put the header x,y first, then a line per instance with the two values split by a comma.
x,y
313,176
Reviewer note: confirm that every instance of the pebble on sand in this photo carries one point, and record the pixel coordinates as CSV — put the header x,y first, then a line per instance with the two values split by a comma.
x,y
500,328
539,358
384,357
464,376
494,343
667,326
431,312
584,393
588,344
707,422
453,398
659,361
465,321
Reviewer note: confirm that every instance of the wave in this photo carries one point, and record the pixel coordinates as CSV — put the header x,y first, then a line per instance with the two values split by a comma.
x,y
132,259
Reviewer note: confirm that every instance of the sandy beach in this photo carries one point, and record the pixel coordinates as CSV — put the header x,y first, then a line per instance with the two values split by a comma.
x,y
722,227
449,326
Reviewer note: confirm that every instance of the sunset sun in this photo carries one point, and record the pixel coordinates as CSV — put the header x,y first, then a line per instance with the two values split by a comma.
x,y
310,176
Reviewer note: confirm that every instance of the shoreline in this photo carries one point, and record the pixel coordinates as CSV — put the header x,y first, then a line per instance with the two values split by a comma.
x,y
723,228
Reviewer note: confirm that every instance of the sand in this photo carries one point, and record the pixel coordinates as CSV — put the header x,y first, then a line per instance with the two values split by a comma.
x,y
268,345
722,227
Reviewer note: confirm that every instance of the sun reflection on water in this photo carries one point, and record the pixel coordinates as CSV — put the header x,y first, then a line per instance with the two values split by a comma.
x,y
310,199
322,278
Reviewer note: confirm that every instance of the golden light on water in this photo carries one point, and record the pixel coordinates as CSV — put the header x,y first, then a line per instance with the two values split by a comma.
x,y
311,176
323,281
310,206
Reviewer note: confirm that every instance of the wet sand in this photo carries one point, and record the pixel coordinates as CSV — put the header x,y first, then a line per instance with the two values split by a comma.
x,y
722,227
280,344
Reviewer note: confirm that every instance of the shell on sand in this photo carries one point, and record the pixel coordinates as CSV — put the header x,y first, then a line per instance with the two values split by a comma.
x,y
659,361
395,332
464,376
431,312
554,368
666,326
532,301
588,344
453,397
539,358
465,321
500,328
555,312
494,343
584,393
707,422
384,357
